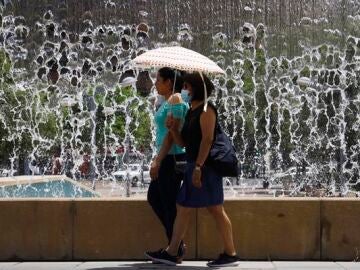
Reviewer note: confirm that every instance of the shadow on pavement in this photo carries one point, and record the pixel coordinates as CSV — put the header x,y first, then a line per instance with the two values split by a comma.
x,y
145,266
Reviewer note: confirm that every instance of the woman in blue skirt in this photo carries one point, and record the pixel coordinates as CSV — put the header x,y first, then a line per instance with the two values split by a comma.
x,y
202,186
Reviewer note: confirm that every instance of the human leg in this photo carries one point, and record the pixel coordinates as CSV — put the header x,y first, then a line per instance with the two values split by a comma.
x,y
162,194
180,227
154,199
169,255
223,223
224,226
168,189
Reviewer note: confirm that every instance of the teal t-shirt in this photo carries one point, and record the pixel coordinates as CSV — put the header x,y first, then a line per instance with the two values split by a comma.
x,y
179,112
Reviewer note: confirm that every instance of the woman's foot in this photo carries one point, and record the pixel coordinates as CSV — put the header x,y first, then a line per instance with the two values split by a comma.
x,y
163,257
224,260
181,252
151,254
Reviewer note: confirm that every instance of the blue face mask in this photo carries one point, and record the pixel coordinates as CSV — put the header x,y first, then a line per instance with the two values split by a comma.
x,y
185,95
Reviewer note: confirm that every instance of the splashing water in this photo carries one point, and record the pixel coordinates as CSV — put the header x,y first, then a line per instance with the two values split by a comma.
x,y
72,103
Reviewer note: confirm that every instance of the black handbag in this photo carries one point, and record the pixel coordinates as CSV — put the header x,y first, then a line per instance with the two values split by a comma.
x,y
222,156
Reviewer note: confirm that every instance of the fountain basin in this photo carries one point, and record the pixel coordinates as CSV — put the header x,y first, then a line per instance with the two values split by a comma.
x,y
47,186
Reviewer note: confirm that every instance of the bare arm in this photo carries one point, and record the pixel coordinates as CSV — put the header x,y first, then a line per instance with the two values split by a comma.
x,y
207,124
165,148
155,164
173,125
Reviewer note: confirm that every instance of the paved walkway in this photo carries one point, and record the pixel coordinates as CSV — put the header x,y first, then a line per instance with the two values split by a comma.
x,y
188,265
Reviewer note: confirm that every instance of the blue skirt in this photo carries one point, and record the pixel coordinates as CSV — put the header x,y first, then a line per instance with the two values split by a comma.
x,y
211,192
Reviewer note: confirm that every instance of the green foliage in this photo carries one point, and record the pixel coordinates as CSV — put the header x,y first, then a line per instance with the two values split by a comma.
x,y
274,92
5,67
261,101
6,146
122,93
85,133
314,73
230,84
99,98
304,130
275,136
284,64
43,97
221,81
65,112
100,125
261,62
118,127
337,59
10,97
307,58
305,72
323,49
49,129
249,124
352,136
349,53
90,91
249,85
112,39
142,132
248,67
329,61
285,144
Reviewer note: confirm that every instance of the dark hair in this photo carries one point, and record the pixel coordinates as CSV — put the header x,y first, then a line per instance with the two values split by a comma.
x,y
169,74
197,85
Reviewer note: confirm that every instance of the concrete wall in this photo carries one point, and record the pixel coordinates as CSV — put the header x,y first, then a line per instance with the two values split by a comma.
x,y
115,229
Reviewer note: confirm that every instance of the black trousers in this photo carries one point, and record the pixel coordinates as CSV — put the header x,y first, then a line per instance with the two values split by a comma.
x,y
162,192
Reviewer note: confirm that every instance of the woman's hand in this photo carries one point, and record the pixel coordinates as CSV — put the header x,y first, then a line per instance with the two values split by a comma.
x,y
196,178
170,123
173,125
154,170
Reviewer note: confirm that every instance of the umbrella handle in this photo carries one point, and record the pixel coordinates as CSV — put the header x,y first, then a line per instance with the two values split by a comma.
x,y
173,90
205,92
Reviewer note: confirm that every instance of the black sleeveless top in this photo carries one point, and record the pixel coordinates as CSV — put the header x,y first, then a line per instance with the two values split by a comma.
x,y
191,131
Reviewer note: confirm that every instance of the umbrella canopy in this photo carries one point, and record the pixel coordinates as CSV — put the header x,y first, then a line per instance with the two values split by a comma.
x,y
178,58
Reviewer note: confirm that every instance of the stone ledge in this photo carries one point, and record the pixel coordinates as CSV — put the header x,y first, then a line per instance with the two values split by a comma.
x,y
108,228
340,238
266,230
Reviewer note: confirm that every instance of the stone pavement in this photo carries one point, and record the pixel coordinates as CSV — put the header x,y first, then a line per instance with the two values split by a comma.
x,y
187,265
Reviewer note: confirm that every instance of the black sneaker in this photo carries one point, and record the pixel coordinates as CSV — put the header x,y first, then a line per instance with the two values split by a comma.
x,y
164,258
151,254
181,252
224,260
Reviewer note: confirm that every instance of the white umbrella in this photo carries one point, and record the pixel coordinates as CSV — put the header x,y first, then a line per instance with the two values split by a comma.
x,y
178,58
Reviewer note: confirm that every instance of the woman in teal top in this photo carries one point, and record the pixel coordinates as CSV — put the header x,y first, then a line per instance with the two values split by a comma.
x,y
178,111
165,184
